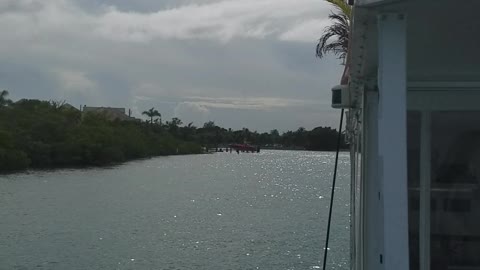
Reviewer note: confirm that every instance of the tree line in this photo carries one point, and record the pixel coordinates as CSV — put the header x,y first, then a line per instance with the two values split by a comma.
x,y
212,136
46,134
49,134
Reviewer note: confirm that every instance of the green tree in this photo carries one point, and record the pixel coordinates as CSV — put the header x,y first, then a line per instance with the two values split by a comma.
x,y
43,134
274,136
174,124
209,125
300,137
335,37
188,131
152,113
4,101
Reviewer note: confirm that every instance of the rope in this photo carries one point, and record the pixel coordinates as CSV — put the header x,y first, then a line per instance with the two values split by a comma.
x,y
339,141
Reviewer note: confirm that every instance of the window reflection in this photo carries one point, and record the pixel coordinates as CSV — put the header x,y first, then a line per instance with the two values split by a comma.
x,y
455,172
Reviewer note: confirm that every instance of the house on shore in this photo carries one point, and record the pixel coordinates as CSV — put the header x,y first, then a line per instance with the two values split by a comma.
x,y
69,106
111,113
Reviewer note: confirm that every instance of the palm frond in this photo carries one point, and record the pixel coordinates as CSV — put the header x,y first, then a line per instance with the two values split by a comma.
x,y
4,94
3,98
335,37
342,6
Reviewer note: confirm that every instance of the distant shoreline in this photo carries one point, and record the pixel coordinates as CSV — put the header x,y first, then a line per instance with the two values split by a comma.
x,y
113,165
36,134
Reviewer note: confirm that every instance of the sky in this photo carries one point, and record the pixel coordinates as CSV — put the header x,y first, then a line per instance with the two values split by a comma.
x,y
239,63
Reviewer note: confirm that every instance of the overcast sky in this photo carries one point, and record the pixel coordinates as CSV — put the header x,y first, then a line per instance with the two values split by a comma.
x,y
240,63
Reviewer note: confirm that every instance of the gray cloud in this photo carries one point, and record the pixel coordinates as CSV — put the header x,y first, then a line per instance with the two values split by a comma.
x,y
222,20
257,103
231,57
193,112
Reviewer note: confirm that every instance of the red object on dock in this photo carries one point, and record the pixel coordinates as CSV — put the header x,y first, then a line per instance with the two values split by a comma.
x,y
243,147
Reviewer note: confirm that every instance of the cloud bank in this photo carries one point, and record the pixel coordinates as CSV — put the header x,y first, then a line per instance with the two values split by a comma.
x,y
220,21
238,62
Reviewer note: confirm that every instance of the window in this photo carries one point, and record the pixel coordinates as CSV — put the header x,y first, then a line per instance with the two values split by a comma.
x,y
444,190
455,188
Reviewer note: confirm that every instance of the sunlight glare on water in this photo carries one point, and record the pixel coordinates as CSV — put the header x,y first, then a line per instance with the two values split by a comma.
x,y
219,211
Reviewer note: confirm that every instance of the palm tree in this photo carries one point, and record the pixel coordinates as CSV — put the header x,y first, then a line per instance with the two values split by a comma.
x,y
152,113
4,101
189,131
173,125
335,38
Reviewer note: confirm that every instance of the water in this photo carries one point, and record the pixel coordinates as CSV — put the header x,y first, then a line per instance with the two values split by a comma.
x,y
220,211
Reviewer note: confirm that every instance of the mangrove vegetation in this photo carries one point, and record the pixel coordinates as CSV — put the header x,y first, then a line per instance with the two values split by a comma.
x,y
50,134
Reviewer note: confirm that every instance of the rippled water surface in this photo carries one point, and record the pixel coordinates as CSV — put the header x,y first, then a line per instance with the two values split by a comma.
x,y
219,211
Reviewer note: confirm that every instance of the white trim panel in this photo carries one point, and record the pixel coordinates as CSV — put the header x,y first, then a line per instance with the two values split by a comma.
x,y
392,138
425,183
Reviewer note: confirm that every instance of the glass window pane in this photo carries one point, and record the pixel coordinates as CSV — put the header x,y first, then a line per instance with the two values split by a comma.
x,y
455,211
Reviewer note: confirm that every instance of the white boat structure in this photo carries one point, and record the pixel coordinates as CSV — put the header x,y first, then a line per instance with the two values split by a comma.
x,y
412,94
